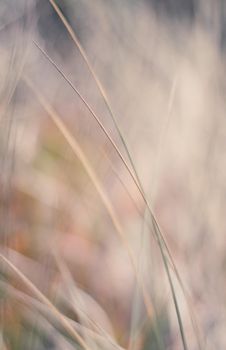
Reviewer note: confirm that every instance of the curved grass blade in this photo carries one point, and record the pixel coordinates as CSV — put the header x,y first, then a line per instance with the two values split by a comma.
x,y
156,227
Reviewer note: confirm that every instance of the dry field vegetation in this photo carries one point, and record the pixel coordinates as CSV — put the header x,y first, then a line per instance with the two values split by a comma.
x,y
112,181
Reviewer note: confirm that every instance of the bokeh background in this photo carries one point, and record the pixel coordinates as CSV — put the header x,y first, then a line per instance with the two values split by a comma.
x,y
162,66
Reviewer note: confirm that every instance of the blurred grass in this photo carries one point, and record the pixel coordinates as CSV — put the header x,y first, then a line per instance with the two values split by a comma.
x,y
161,151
